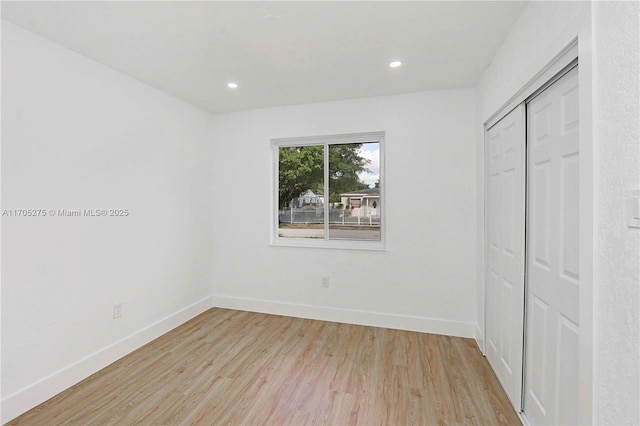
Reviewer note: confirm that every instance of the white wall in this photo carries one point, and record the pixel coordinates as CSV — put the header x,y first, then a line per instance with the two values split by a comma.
x,y
617,139
607,35
542,30
76,134
425,280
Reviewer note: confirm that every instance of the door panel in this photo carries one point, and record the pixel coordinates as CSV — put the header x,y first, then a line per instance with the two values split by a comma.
x,y
552,331
505,251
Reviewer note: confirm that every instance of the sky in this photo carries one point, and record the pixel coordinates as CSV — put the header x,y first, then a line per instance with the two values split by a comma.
x,y
371,151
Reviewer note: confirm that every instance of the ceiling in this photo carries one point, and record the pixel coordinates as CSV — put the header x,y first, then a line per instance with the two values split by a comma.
x,y
279,53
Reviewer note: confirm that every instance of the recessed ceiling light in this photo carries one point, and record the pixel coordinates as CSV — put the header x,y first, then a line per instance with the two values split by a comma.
x,y
232,85
274,20
395,64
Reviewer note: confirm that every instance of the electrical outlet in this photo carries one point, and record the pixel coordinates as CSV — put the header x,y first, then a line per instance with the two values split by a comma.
x,y
117,310
325,282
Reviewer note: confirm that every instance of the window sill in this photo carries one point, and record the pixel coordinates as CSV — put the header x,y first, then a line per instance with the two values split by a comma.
x,y
329,244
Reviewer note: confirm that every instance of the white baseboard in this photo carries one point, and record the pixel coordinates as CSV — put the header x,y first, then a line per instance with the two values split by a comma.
x,y
523,419
480,338
37,393
348,316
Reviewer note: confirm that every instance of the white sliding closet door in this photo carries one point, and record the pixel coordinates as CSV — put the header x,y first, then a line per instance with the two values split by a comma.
x,y
552,333
505,221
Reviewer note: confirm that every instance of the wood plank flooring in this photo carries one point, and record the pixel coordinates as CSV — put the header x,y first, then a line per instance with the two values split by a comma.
x,y
242,368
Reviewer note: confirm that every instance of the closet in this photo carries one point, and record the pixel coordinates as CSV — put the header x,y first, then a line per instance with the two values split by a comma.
x,y
532,251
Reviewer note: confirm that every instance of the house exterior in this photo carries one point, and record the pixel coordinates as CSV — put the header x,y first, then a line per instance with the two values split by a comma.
x,y
364,202
308,198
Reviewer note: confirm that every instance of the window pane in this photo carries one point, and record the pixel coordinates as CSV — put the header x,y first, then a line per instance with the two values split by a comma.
x,y
301,192
354,191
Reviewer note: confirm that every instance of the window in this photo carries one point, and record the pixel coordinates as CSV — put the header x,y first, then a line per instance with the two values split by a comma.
x,y
328,191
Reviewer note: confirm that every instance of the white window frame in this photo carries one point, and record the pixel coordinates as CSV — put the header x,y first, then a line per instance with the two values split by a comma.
x,y
328,140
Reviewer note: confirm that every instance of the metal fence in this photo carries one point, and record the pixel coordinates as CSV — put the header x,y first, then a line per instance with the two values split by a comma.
x,y
362,216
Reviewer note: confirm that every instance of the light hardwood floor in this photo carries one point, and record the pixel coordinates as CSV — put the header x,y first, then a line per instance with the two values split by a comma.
x,y
242,368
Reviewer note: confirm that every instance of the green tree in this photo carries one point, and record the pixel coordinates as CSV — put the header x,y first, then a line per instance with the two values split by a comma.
x,y
345,163
301,168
